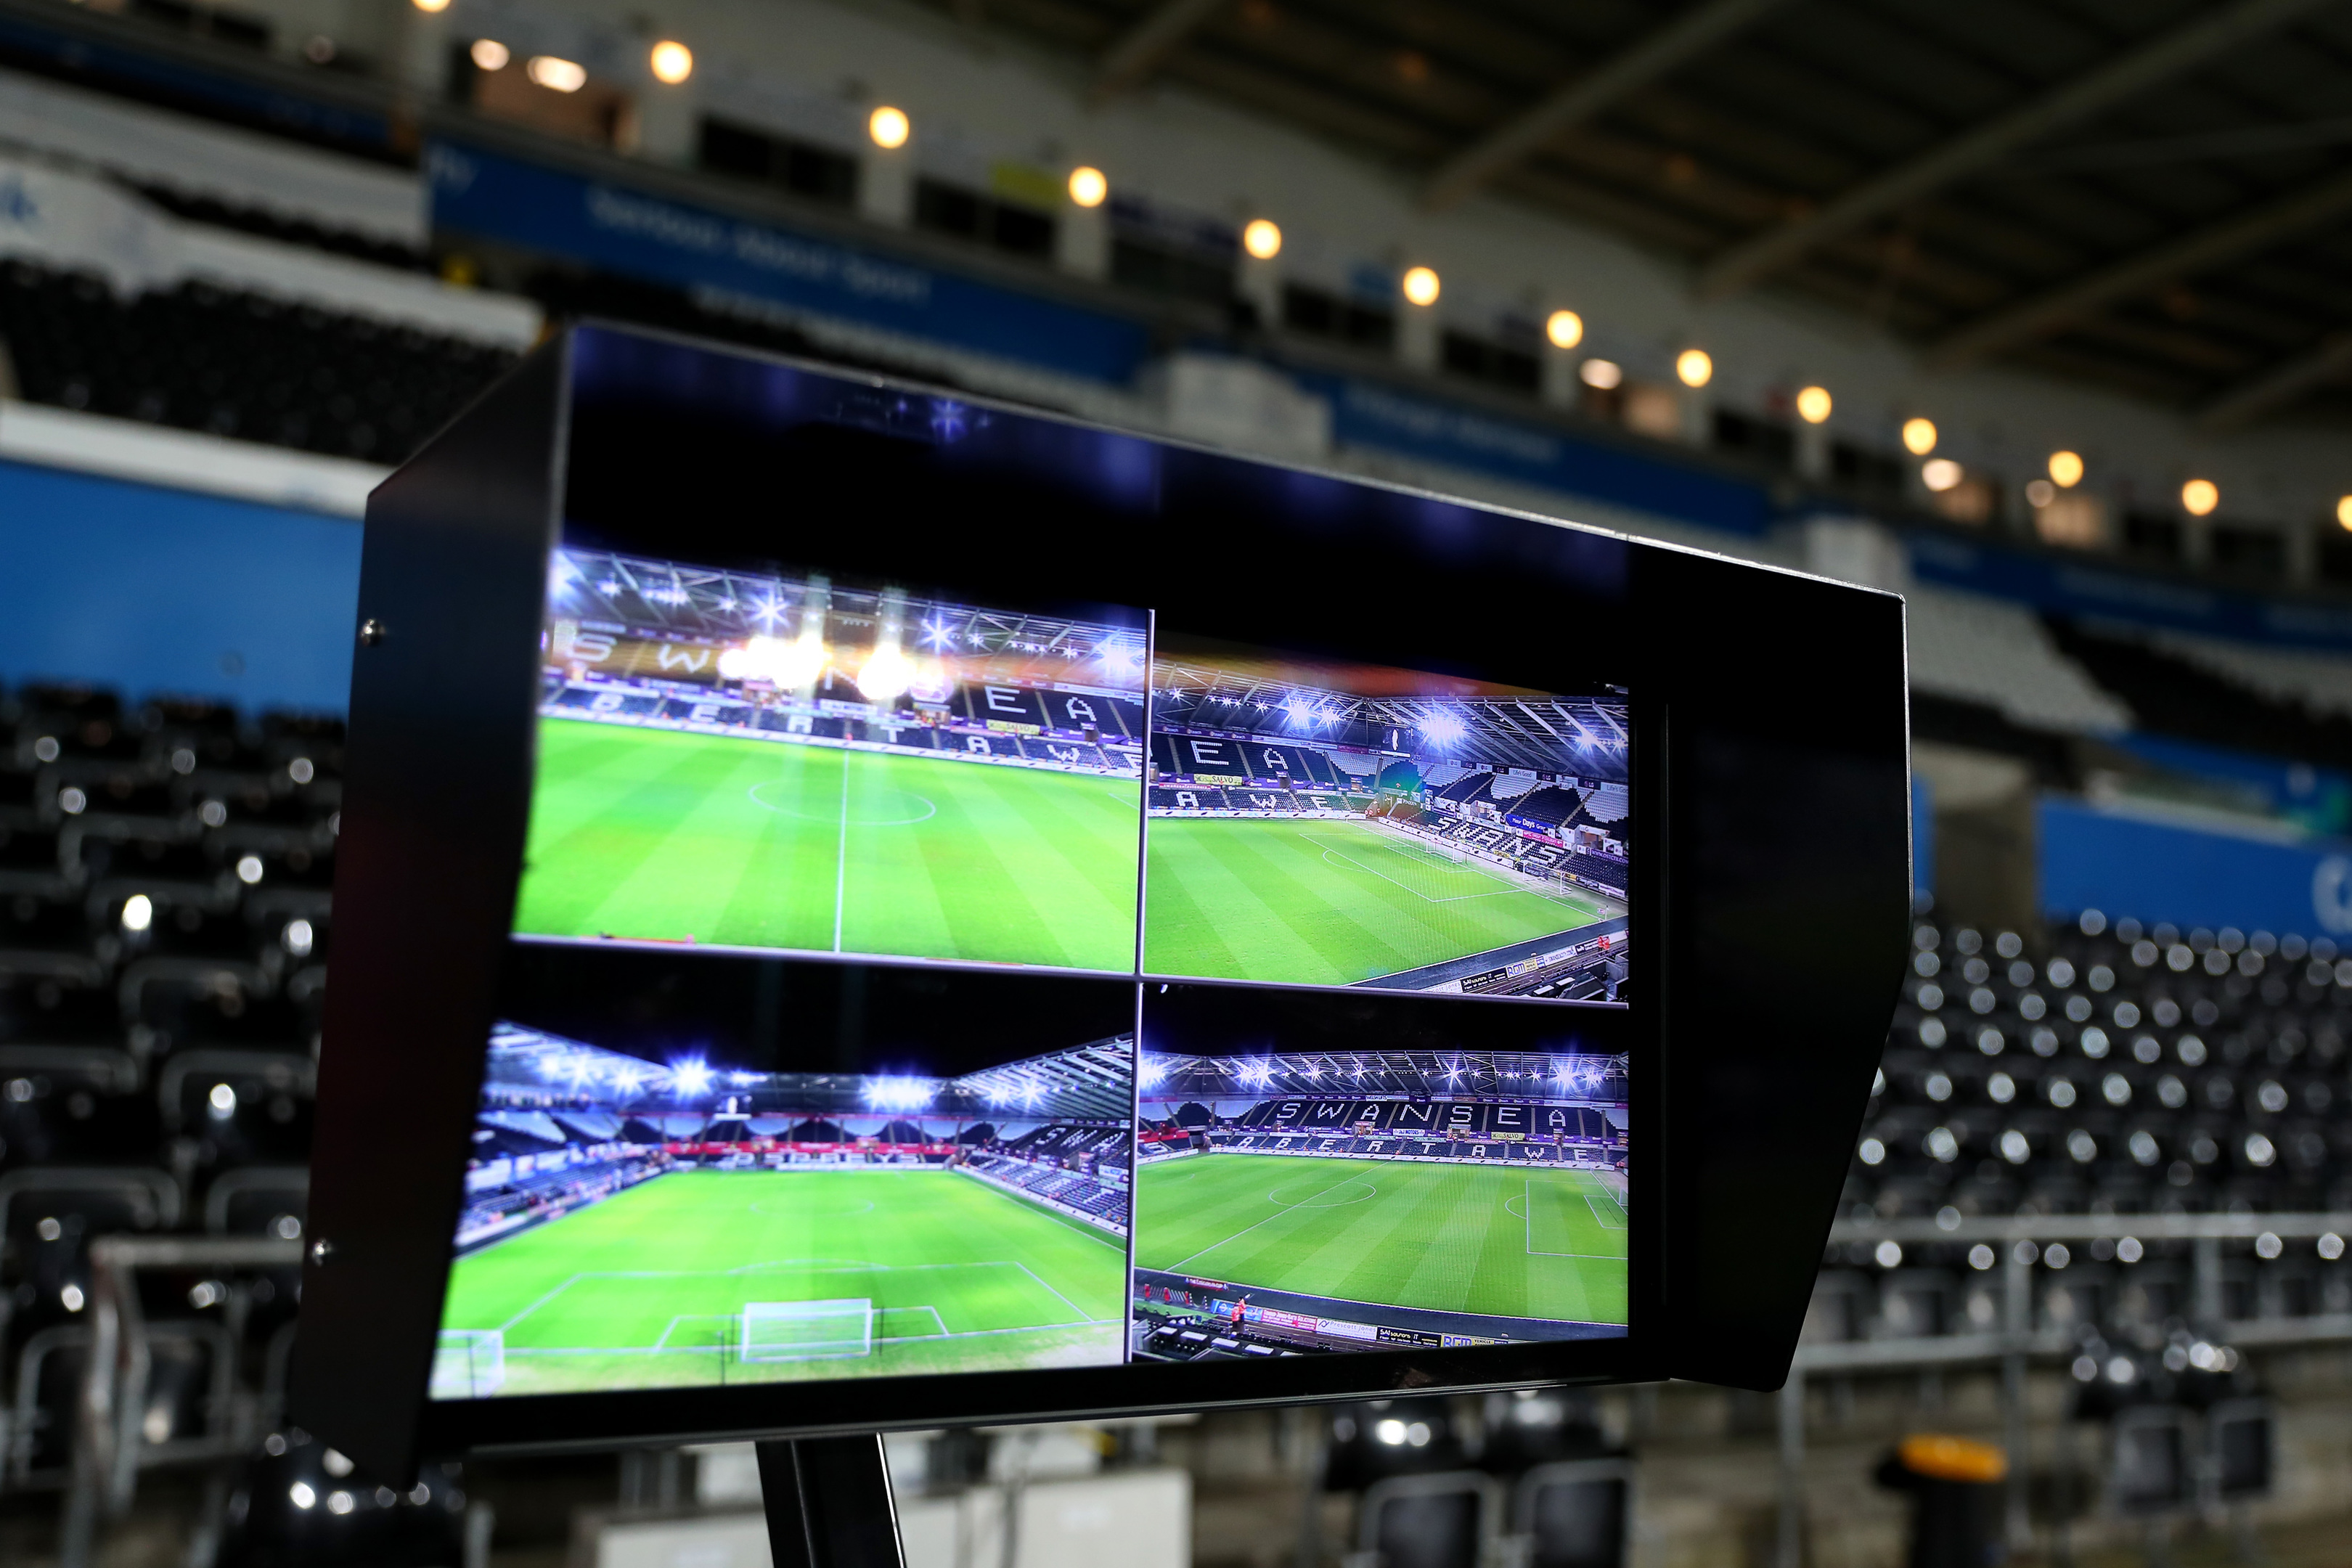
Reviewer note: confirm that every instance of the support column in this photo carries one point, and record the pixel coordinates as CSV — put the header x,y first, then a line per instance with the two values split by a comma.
x,y
1789,1546
885,185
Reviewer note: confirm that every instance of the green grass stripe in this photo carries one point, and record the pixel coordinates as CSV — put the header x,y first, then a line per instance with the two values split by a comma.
x,y
1446,1236
645,1288
667,836
1331,901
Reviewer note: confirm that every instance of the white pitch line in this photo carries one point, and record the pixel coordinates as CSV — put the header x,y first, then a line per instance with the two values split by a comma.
x,y
1058,1296
1247,1228
542,1301
1416,893
841,860
1600,1220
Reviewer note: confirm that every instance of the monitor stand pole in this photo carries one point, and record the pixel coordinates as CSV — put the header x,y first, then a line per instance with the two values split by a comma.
x,y
829,1504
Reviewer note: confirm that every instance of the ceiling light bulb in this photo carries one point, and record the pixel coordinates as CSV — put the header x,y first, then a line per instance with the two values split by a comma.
x,y
489,54
1565,329
431,8
556,74
2066,470
1918,436
1695,367
1420,286
1940,474
888,127
672,62
2040,492
1602,374
1262,239
1813,404
2199,497
1088,186
2344,511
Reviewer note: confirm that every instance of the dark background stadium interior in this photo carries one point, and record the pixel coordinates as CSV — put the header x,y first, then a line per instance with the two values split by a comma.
x,y
2034,311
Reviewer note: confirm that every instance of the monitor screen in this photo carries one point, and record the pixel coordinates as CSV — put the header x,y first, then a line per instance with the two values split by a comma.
x,y
979,916
914,979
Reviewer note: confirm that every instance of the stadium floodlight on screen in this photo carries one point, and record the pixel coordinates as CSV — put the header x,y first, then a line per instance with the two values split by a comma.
x,y
862,908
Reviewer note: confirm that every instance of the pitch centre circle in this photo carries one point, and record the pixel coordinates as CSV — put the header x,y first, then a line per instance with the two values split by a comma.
x,y
875,808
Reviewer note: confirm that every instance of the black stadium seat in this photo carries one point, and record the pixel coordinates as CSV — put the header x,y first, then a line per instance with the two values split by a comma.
x,y
204,358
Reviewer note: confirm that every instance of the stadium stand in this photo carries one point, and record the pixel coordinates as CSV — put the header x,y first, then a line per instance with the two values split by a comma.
x,y
2113,1070
2202,697
236,363
164,889
1994,651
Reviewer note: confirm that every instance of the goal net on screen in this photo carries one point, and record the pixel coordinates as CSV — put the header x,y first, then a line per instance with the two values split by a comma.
x,y
807,1330
468,1363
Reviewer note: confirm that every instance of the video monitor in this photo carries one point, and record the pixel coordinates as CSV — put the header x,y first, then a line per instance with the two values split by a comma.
x,y
860,908
1313,1178
1326,823
769,758
714,1171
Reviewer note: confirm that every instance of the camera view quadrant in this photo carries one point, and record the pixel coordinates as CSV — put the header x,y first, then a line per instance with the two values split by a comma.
x,y
781,761
1309,1183
1317,823
833,1179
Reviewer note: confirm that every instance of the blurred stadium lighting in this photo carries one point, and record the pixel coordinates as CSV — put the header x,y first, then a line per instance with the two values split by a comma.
x,y
671,61
690,1077
1262,239
1813,404
1602,374
1420,286
1089,186
1444,729
1694,367
901,1093
1565,329
1919,437
489,54
886,674
888,127
2066,470
138,913
556,74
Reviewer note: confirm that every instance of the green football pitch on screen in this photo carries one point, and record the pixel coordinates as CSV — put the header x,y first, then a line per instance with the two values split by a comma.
x,y
1333,901
705,1278
661,835
1510,1241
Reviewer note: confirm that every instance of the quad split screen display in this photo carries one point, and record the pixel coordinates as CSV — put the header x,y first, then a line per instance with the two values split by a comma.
x,y
907,982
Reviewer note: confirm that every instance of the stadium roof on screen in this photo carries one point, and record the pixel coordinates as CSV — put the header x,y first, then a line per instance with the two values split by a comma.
x,y
1089,1082
1534,1074
681,600
1580,735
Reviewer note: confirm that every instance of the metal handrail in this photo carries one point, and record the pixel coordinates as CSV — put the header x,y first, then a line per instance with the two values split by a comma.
x,y
2093,1227
106,1448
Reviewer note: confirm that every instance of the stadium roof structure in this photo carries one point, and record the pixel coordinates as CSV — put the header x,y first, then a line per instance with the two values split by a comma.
x,y
1585,736
1090,1083
670,598
1532,1075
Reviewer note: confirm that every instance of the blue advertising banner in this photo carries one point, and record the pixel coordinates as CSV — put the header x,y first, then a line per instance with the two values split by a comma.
x,y
1923,835
161,593
2085,586
2126,865
1363,413
650,237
